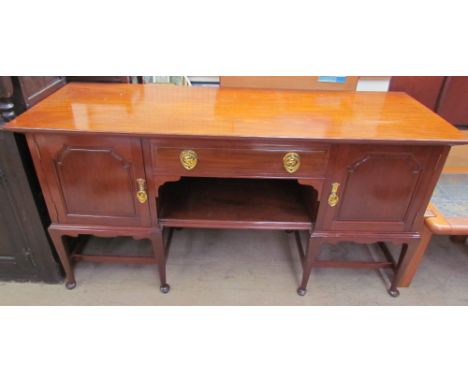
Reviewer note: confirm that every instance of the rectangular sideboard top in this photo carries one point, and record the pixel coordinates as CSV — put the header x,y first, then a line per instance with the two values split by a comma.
x,y
165,110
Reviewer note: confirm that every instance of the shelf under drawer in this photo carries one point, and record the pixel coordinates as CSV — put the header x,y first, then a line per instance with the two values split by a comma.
x,y
236,203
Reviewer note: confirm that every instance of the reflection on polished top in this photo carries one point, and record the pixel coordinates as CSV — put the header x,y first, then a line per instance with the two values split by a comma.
x,y
172,110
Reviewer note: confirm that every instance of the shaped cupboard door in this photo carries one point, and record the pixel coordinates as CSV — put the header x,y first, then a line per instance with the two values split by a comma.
x,y
92,180
379,188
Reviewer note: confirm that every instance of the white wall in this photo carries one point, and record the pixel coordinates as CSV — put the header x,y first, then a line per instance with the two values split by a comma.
x,y
373,84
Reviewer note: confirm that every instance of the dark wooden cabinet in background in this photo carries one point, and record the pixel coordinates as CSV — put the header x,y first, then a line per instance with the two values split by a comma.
x,y
425,89
34,89
109,79
447,96
25,250
453,103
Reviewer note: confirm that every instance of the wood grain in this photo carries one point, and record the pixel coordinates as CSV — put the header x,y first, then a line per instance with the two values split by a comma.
x,y
222,158
239,113
91,181
90,142
235,203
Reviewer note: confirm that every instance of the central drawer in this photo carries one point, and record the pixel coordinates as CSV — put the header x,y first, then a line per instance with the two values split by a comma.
x,y
188,158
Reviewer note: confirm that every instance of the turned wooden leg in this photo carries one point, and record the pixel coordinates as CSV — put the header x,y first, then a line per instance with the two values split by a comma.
x,y
312,252
160,253
406,258
57,239
415,259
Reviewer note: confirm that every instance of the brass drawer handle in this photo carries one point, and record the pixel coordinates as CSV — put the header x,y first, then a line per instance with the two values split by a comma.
x,y
333,199
188,159
141,194
291,162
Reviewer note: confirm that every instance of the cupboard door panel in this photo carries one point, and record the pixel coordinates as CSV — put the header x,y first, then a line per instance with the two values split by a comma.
x,y
380,188
94,181
388,193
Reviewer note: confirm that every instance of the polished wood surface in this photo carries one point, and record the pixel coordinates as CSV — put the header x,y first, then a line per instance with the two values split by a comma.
x,y
235,203
244,159
445,225
91,181
237,113
93,143
445,95
395,180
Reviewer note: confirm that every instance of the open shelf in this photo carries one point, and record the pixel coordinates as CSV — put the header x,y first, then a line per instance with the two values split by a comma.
x,y
237,203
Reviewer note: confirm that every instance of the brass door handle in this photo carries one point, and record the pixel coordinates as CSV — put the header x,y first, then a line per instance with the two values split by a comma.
x,y
141,194
333,198
188,159
291,162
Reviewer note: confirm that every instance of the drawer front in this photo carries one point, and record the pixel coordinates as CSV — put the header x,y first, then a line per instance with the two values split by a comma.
x,y
287,162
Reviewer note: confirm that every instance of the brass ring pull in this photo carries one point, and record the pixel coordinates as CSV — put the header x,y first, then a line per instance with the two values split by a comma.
x,y
141,194
291,162
188,159
333,199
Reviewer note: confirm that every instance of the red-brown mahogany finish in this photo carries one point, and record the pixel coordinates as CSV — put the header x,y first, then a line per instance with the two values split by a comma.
x,y
237,113
360,167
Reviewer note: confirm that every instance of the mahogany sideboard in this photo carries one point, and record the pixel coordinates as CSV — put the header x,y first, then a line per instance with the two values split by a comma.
x,y
139,160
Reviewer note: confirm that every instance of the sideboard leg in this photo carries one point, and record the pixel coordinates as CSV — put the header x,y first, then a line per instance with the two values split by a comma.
x,y
412,265
160,253
404,262
57,239
312,252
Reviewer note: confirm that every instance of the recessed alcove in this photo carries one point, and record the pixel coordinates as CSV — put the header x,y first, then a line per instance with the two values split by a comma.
x,y
237,203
